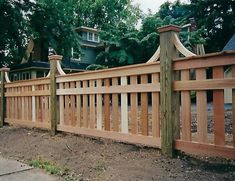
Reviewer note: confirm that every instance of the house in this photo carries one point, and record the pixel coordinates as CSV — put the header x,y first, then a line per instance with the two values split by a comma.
x,y
228,72
35,62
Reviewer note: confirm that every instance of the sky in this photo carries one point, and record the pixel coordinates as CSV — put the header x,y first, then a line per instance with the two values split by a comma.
x,y
153,5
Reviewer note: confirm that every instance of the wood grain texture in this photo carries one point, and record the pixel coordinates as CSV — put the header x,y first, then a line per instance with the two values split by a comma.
x,y
99,107
201,109
155,108
78,105
72,106
204,84
204,149
218,105
134,107
92,107
115,107
124,108
186,109
204,61
66,109
106,107
61,100
126,138
85,107
145,68
144,108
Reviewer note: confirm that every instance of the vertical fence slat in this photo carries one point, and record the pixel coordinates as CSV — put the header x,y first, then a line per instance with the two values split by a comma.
x,y
134,106
78,104
72,106
27,105
155,108
186,109
30,105
124,108
201,109
61,99
92,106
99,106
233,106
85,107
218,104
22,104
106,107
115,109
33,105
66,110
144,108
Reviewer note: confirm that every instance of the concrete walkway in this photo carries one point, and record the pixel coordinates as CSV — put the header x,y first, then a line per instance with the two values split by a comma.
x,y
11,170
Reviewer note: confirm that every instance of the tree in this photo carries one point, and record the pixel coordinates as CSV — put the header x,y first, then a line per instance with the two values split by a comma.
x,y
14,30
217,18
53,20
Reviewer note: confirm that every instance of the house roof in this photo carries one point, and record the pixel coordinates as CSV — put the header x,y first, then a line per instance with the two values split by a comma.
x,y
231,44
84,28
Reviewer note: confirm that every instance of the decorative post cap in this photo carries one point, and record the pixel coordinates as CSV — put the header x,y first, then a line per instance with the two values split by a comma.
x,y
169,28
5,69
55,57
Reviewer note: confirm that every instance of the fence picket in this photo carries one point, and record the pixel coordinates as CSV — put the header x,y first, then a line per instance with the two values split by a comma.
x,y
106,107
92,107
134,107
201,109
144,108
155,108
115,107
218,104
186,109
124,108
99,107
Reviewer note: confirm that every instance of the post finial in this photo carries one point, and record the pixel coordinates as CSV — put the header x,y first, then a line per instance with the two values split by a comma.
x,y
5,69
55,57
169,28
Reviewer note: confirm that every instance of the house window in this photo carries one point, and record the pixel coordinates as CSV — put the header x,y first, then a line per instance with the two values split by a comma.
x,y
96,37
90,36
26,76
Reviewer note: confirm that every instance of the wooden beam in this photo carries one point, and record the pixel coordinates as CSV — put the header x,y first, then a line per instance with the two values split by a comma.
x,y
205,149
167,54
145,68
53,98
121,137
209,84
3,99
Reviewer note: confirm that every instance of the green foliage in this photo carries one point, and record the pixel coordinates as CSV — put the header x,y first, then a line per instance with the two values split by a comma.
x,y
54,21
217,19
14,30
52,168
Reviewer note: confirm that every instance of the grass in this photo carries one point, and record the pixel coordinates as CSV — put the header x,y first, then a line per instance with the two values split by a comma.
x,y
52,168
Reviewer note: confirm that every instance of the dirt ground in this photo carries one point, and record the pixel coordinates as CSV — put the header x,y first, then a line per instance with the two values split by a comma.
x,y
98,159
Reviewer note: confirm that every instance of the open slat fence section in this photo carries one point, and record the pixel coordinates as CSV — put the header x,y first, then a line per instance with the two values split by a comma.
x,y
119,103
27,103
207,125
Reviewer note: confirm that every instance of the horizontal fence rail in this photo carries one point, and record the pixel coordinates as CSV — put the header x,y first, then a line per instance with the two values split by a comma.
x,y
27,103
207,126
119,103
123,103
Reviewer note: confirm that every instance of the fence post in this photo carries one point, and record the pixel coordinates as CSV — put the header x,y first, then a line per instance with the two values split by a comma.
x,y
53,99
169,119
3,102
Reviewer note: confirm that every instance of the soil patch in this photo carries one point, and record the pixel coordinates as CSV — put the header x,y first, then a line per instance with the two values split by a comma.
x,y
100,159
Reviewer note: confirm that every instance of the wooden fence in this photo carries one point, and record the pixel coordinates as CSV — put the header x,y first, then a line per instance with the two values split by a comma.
x,y
125,103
